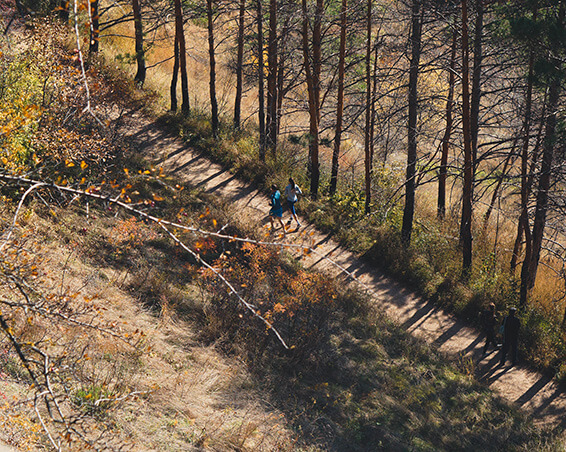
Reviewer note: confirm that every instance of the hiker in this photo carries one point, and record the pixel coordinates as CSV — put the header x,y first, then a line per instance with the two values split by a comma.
x,y
510,328
488,323
276,208
291,192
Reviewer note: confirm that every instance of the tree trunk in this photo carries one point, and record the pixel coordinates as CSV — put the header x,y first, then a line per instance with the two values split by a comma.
x,y
94,28
466,221
340,102
443,170
523,226
140,57
317,54
532,256
373,101
312,71
416,37
528,277
239,65
529,184
282,47
174,77
212,60
476,84
367,153
261,92
180,37
280,92
271,132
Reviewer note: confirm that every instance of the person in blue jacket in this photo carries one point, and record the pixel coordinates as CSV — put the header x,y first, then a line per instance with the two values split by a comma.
x,y
276,211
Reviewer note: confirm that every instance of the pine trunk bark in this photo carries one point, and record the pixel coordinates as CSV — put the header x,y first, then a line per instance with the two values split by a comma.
x,y
528,276
212,62
239,65
532,257
523,227
466,219
95,28
271,132
445,145
138,31
312,70
373,102
260,84
340,101
174,77
416,37
180,36
476,83
367,153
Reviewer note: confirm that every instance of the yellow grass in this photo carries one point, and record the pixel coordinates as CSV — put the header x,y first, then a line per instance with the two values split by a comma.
x,y
192,395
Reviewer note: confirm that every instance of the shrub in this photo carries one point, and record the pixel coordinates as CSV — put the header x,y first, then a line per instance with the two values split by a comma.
x,y
297,302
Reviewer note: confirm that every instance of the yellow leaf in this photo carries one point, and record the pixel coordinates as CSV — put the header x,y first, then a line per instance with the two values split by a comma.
x,y
68,163
214,223
83,165
126,171
157,198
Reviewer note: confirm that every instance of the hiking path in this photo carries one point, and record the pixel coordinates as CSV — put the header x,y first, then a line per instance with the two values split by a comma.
x,y
537,394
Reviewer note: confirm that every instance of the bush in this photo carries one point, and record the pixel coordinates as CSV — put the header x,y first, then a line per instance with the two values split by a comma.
x,y
298,302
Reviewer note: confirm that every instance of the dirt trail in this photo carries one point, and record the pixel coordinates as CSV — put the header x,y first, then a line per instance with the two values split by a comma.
x,y
531,391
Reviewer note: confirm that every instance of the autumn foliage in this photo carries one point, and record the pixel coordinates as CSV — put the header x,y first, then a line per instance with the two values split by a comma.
x,y
298,302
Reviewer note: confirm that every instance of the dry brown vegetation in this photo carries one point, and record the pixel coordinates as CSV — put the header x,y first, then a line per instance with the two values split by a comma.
x,y
161,362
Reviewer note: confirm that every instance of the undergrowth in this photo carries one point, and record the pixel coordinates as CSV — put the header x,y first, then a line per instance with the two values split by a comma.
x,y
431,265
350,380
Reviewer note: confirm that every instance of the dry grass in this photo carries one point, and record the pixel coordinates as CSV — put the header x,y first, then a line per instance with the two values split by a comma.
x,y
193,395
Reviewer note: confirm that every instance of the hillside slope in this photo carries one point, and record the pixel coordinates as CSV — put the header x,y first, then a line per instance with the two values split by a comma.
x,y
156,370
530,390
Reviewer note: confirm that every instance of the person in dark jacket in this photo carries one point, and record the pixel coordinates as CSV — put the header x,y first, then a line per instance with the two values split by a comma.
x,y
511,327
488,324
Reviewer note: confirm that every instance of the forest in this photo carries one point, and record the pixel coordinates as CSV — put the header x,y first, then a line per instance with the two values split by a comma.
x,y
435,124
141,311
